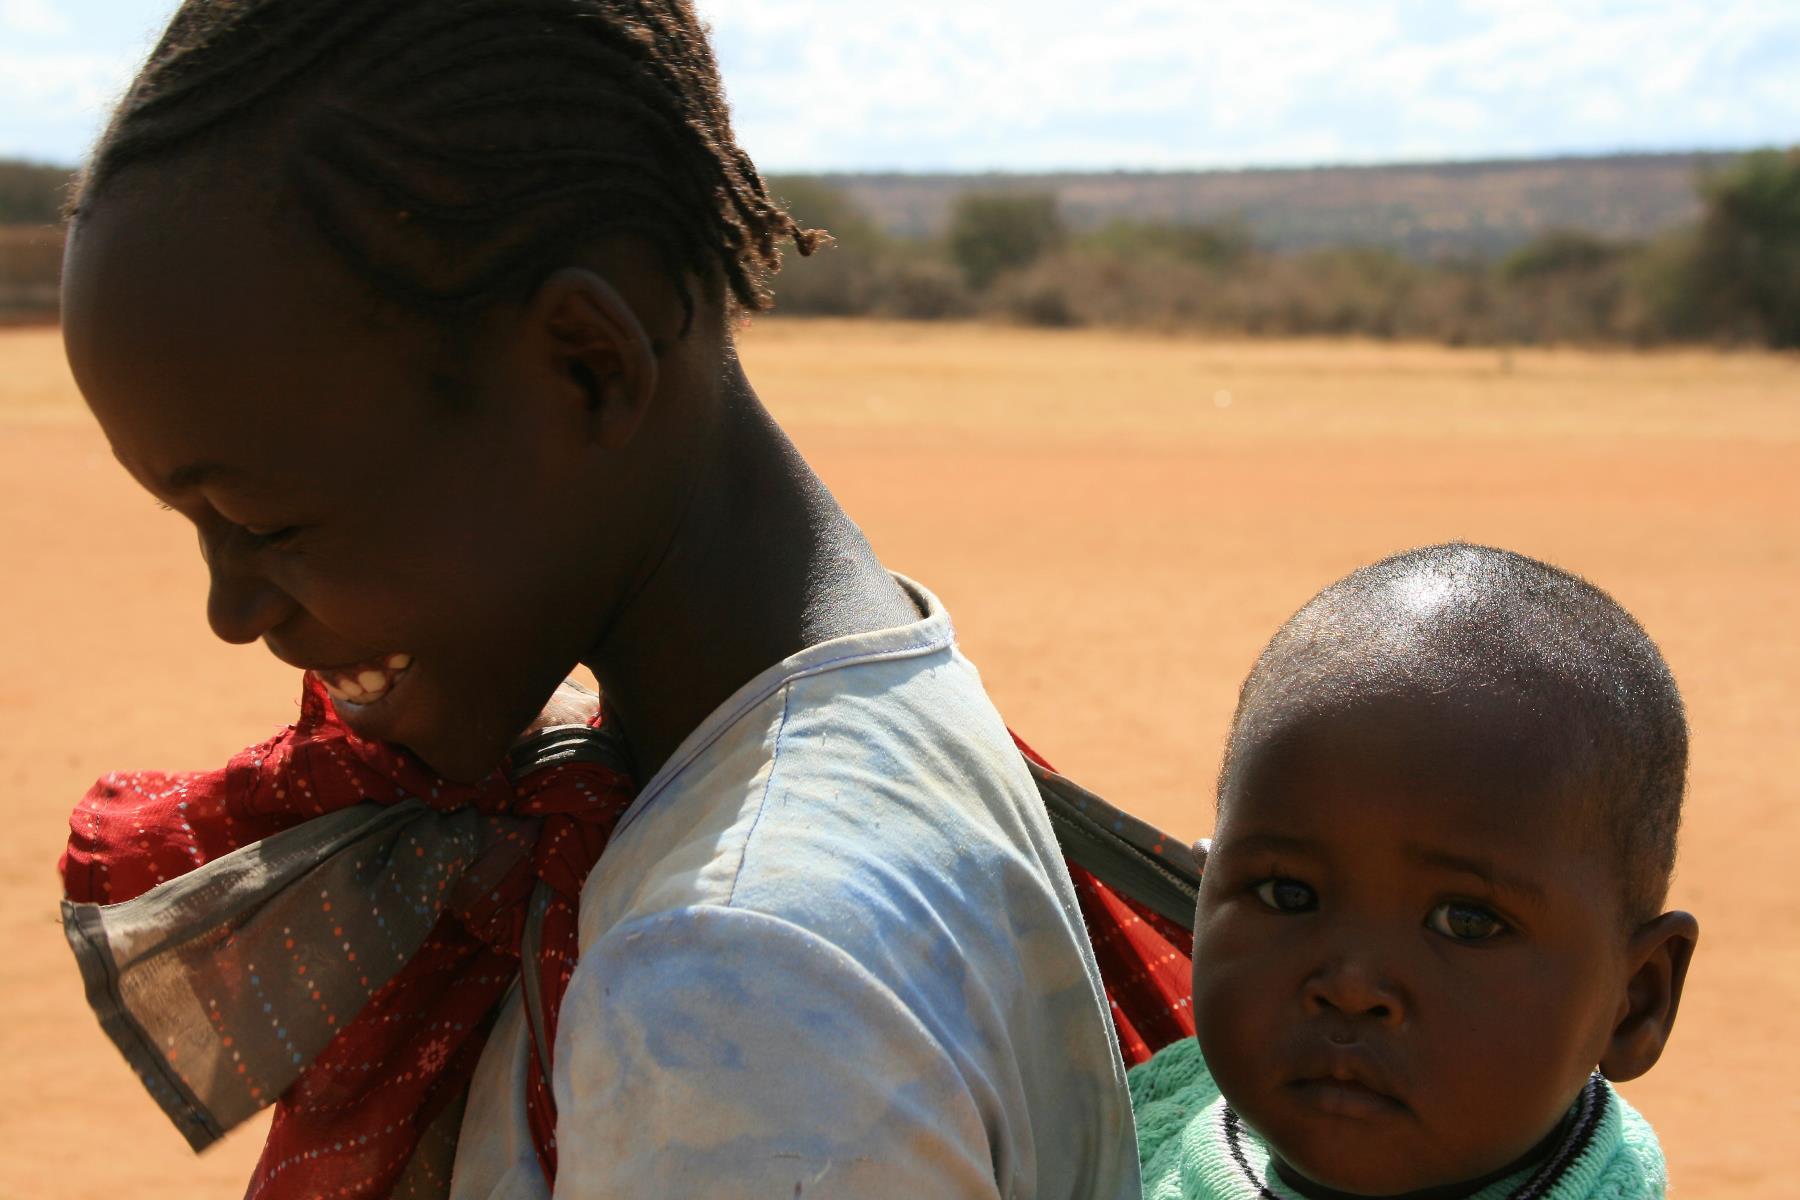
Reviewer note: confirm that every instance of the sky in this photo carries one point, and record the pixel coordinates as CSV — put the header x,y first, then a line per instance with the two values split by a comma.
x,y
1025,85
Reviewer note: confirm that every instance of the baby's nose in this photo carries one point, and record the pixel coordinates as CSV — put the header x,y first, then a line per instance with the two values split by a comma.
x,y
1355,988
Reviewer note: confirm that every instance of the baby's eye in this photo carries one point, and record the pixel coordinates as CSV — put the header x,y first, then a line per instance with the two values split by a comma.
x,y
1465,922
1286,895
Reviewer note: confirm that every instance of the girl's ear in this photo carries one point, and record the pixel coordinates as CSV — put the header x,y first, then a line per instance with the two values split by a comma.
x,y
1658,956
601,356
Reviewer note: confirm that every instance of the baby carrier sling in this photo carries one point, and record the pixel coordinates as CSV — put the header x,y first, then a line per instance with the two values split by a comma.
x,y
1137,887
265,933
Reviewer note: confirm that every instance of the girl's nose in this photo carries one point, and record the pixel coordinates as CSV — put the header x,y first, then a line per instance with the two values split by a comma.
x,y
241,605
1353,987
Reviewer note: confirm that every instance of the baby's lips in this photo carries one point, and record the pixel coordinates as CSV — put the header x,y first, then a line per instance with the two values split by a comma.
x,y
1352,1064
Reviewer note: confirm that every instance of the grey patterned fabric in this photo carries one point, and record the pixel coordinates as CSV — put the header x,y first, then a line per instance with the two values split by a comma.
x,y
221,985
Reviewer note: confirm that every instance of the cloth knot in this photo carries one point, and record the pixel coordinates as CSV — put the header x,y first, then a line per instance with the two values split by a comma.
x,y
334,931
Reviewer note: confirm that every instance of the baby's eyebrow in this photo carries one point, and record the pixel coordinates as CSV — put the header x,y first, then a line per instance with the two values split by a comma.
x,y
1495,878
1276,842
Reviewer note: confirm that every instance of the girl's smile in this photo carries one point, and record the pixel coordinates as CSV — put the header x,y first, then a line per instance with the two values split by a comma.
x,y
361,686
437,561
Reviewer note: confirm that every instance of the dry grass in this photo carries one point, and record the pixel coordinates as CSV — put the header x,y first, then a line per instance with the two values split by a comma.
x,y
1116,523
30,265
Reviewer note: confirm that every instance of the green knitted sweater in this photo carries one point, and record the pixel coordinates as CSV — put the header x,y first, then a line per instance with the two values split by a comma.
x,y
1193,1147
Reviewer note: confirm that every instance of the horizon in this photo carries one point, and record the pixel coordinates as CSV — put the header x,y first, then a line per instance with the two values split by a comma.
x,y
1027,87
1274,168
1260,168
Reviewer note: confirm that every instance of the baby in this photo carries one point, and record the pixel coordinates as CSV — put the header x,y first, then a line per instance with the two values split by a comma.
x,y
1433,904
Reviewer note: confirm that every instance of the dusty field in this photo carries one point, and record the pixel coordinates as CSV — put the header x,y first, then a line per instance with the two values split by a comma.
x,y
1117,524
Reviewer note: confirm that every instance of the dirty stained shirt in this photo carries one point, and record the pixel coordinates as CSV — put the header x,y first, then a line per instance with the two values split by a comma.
x,y
832,950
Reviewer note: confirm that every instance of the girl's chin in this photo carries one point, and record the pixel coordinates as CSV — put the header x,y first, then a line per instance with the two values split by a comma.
x,y
460,760
451,736
462,750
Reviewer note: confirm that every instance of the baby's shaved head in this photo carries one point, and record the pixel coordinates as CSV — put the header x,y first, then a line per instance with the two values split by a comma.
x,y
1450,623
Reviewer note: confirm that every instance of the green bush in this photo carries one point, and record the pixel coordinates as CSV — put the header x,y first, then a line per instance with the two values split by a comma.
x,y
32,194
918,286
1213,245
992,233
30,269
837,279
863,272
1561,252
1745,270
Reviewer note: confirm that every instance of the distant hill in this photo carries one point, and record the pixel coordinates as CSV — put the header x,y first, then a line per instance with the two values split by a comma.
x,y
1426,210
31,193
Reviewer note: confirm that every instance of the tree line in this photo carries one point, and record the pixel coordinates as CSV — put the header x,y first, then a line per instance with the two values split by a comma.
x,y
1732,277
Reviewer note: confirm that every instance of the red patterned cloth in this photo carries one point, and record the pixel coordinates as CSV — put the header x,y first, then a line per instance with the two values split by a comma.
x,y
1146,965
1145,960
356,1116
376,1110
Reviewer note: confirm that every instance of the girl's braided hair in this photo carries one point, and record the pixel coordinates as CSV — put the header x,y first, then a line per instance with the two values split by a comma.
x,y
456,150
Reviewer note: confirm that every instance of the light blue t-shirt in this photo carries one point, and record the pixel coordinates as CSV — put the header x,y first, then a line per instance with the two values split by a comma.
x,y
832,950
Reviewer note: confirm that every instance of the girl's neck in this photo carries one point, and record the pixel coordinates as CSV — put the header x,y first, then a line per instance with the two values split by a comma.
x,y
761,564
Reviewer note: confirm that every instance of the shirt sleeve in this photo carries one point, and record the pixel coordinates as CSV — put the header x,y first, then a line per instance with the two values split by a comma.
x,y
719,1051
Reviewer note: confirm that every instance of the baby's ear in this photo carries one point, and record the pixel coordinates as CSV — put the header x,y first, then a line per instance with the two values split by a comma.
x,y
1658,958
1201,849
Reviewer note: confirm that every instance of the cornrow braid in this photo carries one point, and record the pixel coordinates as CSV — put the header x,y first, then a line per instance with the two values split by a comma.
x,y
455,150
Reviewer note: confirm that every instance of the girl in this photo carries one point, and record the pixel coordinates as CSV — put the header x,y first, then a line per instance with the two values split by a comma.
x,y
421,312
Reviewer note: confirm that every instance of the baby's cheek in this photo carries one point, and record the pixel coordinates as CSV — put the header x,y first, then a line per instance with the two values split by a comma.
x,y
1238,1003
1509,1065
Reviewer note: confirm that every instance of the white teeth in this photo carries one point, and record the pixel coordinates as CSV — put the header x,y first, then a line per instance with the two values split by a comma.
x,y
344,687
369,684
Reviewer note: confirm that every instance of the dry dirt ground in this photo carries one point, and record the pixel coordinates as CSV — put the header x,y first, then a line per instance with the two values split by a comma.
x,y
1116,524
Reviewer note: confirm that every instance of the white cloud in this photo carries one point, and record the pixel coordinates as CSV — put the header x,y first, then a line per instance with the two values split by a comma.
x,y
1031,83
1024,84
52,105
60,81
32,17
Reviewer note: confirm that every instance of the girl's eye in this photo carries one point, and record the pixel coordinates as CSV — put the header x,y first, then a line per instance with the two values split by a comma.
x,y
273,536
1286,895
1465,922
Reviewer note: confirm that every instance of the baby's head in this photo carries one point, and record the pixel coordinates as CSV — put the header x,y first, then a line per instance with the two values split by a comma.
x,y
1433,902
